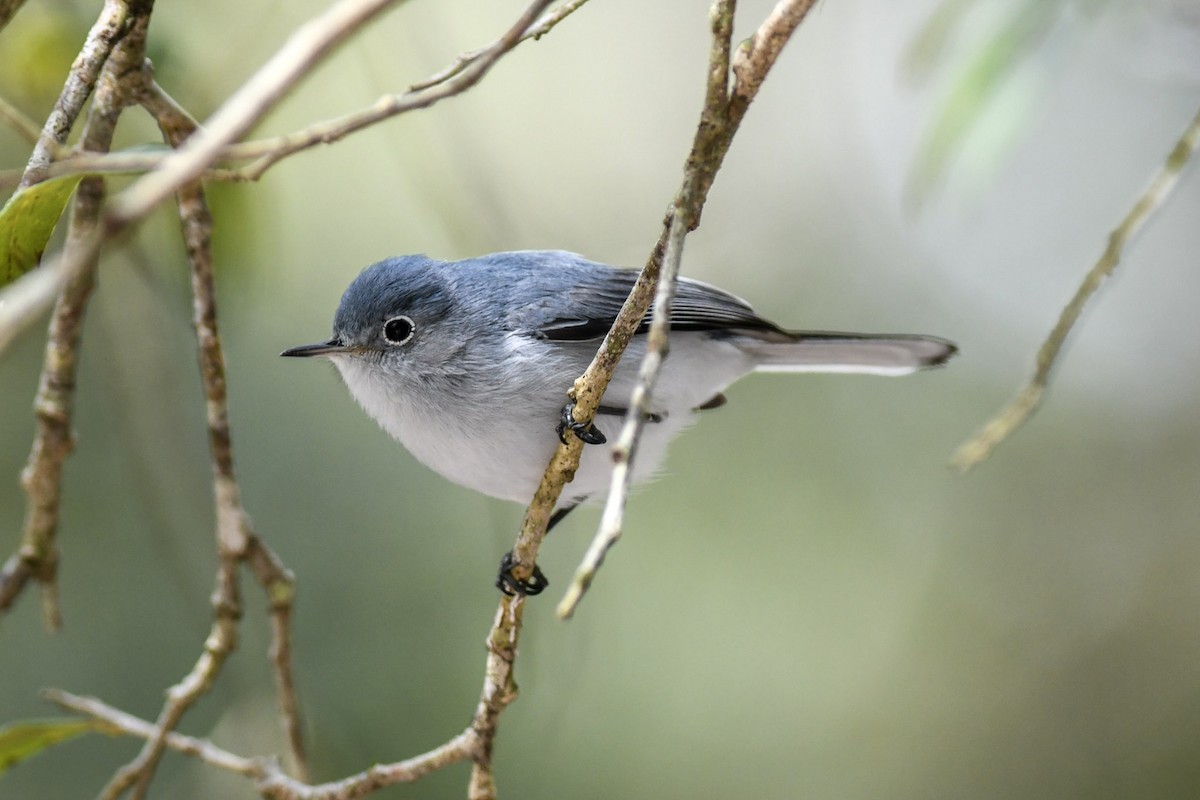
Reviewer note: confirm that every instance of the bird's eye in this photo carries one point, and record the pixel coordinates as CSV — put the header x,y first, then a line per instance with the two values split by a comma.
x,y
398,330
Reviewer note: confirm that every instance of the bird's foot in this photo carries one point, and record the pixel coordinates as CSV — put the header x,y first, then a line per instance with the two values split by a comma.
x,y
587,433
512,585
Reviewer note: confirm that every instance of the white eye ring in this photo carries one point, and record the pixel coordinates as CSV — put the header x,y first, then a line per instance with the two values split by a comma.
x,y
398,330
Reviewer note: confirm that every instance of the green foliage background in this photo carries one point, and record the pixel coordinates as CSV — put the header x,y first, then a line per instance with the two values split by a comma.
x,y
808,603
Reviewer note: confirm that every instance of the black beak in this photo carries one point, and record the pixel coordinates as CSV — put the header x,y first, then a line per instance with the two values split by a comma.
x,y
329,348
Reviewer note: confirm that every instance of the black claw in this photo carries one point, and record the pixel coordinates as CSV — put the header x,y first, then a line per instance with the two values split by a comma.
x,y
588,433
512,586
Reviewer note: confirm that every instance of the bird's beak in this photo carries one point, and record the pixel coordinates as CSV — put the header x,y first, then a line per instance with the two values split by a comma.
x,y
332,347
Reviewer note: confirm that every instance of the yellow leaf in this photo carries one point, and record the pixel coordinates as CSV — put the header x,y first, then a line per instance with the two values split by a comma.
x,y
20,740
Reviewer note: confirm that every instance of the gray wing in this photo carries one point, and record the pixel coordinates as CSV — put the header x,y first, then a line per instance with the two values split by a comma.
x,y
596,298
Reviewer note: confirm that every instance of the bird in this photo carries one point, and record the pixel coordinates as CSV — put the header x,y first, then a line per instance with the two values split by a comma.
x,y
467,364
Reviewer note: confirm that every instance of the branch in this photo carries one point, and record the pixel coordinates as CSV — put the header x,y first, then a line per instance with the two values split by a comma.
x,y
719,121
722,115
41,479
132,726
271,781
1015,414
467,70
26,299
447,82
304,49
113,23
7,9
20,123
236,539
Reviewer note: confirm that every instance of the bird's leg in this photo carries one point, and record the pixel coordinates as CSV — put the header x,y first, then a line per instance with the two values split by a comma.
x,y
509,584
588,433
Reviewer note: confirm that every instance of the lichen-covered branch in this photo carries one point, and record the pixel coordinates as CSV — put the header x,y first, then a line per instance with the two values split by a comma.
x,y
719,120
466,71
268,152
37,556
305,48
25,300
1015,414
112,24
270,780
724,107
8,8
272,575
132,726
236,539
20,123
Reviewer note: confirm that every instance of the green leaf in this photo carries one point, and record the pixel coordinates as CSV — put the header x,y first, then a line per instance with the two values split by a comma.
x,y
20,740
26,222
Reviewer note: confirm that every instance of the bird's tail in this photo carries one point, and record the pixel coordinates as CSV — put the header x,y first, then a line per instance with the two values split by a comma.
x,y
866,353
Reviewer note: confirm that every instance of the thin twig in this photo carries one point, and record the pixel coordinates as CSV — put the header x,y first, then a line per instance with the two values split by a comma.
x,y
719,120
20,123
74,162
221,641
303,50
268,152
273,576
534,31
133,726
467,71
113,23
236,540
8,8
625,449
724,109
1001,426
41,479
26,298
279,585
271,781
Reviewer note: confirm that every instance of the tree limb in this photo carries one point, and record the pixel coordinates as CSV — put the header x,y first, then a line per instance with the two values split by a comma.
x,y
41,479
718,122
447,82
20,123
724,109
112,24
1015,414
9,8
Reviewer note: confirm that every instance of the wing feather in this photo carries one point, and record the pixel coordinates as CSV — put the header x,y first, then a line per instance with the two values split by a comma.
x,y
697,307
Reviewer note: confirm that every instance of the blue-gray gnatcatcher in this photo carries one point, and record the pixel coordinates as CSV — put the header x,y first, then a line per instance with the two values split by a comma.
x,y
467,363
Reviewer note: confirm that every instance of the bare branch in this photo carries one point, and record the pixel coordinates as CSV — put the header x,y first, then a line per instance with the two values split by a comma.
x,y
268,152
534,31
467,70
1014,415
304,49
221,641
271,781
236,540
8,8
625,448
112,24
28,297
718,123
132,726
723,112
20,123
41,479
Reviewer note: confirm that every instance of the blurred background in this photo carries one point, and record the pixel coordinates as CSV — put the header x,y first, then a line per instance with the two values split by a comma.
x,y
808,602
